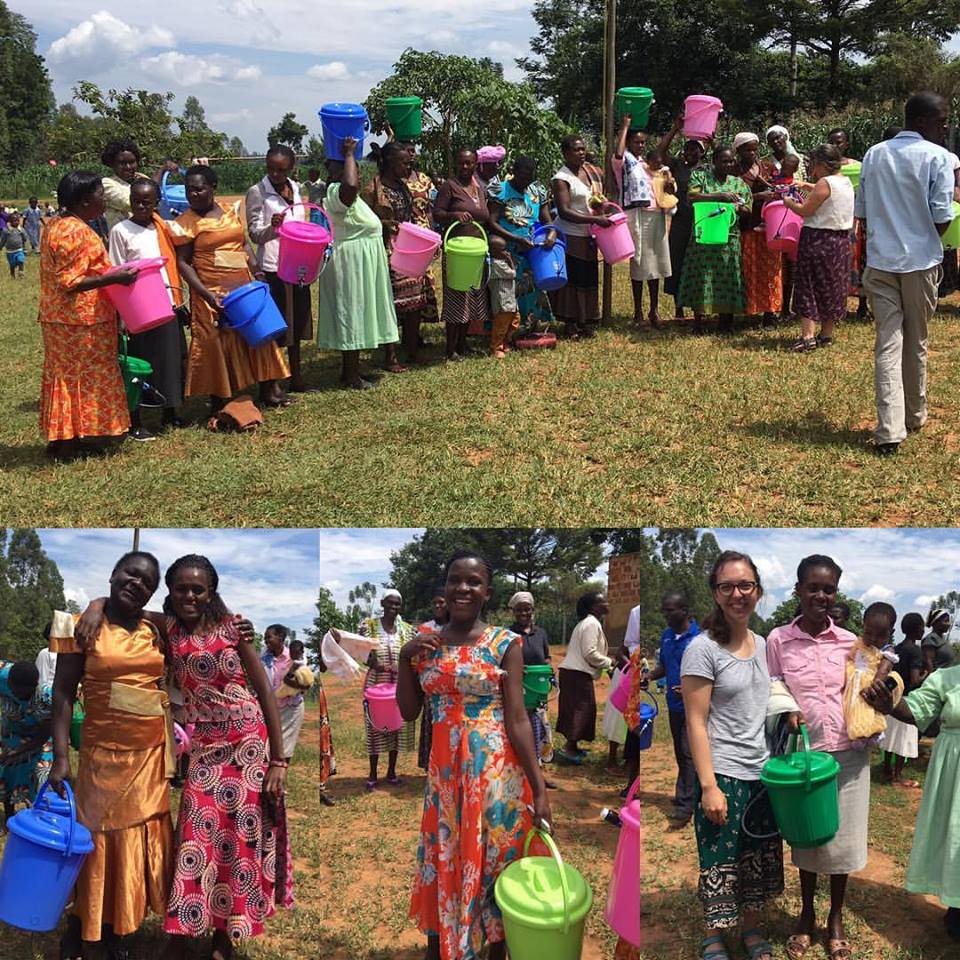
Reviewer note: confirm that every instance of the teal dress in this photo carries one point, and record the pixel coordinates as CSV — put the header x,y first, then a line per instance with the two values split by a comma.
x,y
20,721
712,276
356,300
935,858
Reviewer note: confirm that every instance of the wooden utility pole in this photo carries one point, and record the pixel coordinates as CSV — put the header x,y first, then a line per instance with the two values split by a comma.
x,y
609,127
136,538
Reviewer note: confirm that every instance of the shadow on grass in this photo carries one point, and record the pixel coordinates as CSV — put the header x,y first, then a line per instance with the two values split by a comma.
x,y
811,430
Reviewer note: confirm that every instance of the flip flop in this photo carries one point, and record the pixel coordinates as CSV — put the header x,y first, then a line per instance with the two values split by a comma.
x,y
907,784
839,949
394,781
759,948
798,944
372,784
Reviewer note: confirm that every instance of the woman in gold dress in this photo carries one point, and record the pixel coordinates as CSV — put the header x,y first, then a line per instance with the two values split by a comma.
x,y
215,259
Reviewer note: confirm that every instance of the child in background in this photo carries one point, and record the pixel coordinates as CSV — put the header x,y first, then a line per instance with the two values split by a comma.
x,y
502,289
13,240
299,678
871,658
664,186
639,677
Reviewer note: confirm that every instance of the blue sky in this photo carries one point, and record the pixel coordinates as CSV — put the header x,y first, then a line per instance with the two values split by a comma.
x,y
267,575
250,61
907,568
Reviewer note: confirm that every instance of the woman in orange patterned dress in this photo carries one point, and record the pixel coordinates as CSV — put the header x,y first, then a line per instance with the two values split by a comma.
x,y
81,390
483,772
214,259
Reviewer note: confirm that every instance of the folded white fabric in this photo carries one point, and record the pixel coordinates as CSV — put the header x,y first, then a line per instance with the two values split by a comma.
x,y
339,657
61,625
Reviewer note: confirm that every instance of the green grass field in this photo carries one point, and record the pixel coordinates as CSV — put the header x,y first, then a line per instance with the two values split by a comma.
x,y
632,427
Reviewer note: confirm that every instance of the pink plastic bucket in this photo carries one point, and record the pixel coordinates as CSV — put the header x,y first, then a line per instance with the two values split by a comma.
x,y
700,115
620,695
783,228
623,897
303,247
615,242
146,303
381,702
413,250
182,737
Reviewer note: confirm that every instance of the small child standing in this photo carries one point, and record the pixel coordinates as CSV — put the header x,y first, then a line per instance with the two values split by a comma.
x,y
502,290
871,658
13,240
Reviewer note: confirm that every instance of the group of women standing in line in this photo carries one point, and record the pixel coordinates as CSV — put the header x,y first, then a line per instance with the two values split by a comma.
x,y
729,675
227,867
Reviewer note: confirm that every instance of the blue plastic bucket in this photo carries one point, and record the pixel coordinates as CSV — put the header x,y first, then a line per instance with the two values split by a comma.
x,y
173,198
339,121
648,713
251,312
549,266
41,862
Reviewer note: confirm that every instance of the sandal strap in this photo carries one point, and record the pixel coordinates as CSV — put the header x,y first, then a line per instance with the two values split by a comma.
x,y
720,954
798,944
760,948
839,949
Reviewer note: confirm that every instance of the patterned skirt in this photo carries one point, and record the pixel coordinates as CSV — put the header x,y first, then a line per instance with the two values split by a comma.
x,y
712,279
762,276
583,282
470,307
414,295
822,274
328,765
738,872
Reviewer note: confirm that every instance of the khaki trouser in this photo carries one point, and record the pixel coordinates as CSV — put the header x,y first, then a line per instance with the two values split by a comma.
x,y
903,304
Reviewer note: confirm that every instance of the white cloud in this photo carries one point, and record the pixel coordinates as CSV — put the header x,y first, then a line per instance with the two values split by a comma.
x,y
335,70
925,600
500,48
188,70
104,38
876,593
248,73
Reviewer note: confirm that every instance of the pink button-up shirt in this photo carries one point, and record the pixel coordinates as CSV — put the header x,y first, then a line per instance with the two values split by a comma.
x,y
814,670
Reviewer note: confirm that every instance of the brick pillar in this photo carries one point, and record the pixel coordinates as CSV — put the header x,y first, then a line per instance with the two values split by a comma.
x,y
623,594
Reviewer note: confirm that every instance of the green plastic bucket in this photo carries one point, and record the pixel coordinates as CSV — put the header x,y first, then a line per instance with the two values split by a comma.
x,y
76,727
466,257
712,221
405,115
803,794
637,102
545,903
951,237
536,685
133,370
851,171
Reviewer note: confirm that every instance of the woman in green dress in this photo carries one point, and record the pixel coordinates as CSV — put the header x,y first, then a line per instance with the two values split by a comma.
x,y
356,300
935,858
712,277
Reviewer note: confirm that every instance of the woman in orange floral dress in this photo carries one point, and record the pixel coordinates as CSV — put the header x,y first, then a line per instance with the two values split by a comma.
x,y
81,390
214,259
483,774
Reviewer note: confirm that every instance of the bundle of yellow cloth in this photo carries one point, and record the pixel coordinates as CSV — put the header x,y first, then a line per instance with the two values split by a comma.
x,y
304,678
863,721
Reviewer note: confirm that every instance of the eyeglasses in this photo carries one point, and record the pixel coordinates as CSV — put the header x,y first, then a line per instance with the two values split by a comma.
x,y
745,587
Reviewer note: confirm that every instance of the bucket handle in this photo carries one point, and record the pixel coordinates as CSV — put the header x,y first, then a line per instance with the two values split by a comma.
x,y
457,223
632,792
313,206
555,853
543,228
68,849
806,751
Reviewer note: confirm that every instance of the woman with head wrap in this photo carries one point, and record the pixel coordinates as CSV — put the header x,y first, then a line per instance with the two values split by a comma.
x,y
936,646
488,165
762,271
392,632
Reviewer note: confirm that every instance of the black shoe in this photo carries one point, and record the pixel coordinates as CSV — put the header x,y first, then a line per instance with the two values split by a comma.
x,y
139,433
886,449
326,799
676,815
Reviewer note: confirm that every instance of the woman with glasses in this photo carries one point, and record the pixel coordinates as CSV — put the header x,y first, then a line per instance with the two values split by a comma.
x,y
726,687
809,655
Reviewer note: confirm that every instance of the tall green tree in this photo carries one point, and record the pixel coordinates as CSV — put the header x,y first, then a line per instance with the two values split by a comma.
x,y
196,139
789,610
27,103
288,131
329,617
143,115
467,103
32,588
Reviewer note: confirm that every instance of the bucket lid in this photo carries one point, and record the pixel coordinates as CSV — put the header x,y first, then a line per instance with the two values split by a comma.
x,y
404,101
304,232
538,670
415,230
472,246
648,711
50,830
243,291
634,92
529,891
790,770
381,691
343,110
151,263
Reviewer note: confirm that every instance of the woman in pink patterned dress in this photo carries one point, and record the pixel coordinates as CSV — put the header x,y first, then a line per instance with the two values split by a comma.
x,y
232,864
483,772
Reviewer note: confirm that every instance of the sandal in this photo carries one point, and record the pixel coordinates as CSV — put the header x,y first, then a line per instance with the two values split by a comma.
x,y
838,949
804,345
720,954
394,781
562,756
824,341
761,947
372,784
798,944
907,784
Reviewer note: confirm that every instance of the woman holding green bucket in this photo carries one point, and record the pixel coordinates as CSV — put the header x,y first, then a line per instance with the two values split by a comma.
x,y
461,200
712,278
934,867
484,789
809,656
726,688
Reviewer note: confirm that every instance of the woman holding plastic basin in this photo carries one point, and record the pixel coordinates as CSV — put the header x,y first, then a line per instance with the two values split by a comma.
x,y
933,867
809,655
126,760
726,688
356,309
215,259
267,205
578,193
518,205
712,281
462,200
390,198
484,788
823,255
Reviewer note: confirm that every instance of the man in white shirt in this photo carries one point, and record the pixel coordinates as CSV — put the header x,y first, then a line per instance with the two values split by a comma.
x,y
46,662
906,198
631,639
